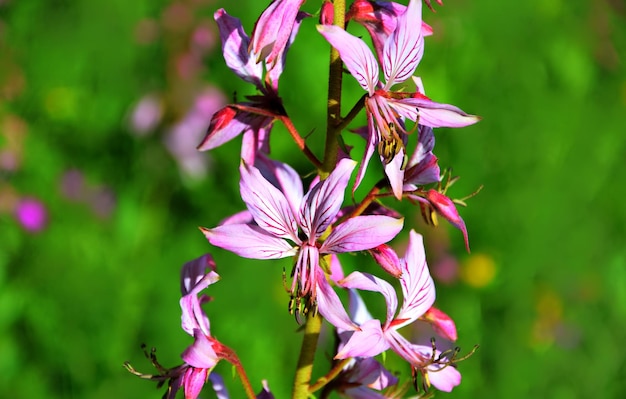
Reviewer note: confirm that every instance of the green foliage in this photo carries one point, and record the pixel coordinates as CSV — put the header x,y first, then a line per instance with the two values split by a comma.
x,y
78,298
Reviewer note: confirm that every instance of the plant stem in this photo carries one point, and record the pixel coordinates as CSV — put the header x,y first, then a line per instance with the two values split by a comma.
x,y
300,141
335,72
245,381
307,353
334,372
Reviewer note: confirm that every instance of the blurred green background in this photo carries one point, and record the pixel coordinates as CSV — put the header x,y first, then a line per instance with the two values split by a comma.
x,y
103,103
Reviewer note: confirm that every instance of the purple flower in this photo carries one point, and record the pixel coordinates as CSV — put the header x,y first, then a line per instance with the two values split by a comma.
x,y
273,34
380,18
363,376
386,109
31,214
202,355
288,223
419,294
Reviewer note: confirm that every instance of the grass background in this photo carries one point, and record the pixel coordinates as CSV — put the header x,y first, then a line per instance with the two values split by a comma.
x,y
543,291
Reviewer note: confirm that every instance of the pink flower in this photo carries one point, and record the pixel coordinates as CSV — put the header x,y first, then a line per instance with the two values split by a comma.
x,y
418,291
31,214
273,34
287,223
386,109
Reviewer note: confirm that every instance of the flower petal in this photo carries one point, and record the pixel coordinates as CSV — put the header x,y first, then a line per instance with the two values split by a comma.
x,y
361,233
193,273
443,378
283,177
404,48
201,353
434,114
323,201
368,282
235,44
273,29
368,342
395,173
418,287
217,382
249,241
267,204
355,54
193,380
329,305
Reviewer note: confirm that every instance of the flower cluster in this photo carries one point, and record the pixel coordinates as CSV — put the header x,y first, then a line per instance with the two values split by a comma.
x,y
313,227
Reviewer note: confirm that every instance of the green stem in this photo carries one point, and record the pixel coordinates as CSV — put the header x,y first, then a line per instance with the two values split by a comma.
x,y
334,372
307,353
335,74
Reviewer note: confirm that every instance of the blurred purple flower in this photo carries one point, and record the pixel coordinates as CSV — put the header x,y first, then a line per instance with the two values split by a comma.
x,y
146,114
73,185
183,137
31,214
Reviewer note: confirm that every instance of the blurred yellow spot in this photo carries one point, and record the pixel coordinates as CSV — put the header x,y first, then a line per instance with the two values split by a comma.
x,y
478,270
549,308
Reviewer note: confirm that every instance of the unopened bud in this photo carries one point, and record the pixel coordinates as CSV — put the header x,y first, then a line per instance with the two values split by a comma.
x,y
327,13
387,259
441,323
446,208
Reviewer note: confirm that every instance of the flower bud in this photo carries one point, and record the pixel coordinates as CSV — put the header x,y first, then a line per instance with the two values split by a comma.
x,y
446,208
441,323
327,13
387,259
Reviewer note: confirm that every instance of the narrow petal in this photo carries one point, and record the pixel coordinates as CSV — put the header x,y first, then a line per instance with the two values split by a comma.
x,y
371,373
235,44
323,201
329,305
193,317
404,48
365,281
361,233
368,342
425,145
418,287
408,351
223,128
193,380
193,272
395,173
267,204
370,147
358,310
439,115
275,69
355,54
273,29
249,241
219,387
283,177
255,141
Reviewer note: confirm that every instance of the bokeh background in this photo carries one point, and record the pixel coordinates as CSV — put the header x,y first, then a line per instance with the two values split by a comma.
x,y
101,193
